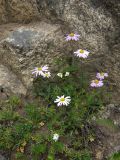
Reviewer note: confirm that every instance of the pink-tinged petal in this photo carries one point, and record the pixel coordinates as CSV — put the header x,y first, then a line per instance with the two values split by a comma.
x,y
59,104
73,37
33,72
98,75
76,38
92,85
68,38
45,68
101,83
98,84
84,56
36,74
77,35
106,74
101,76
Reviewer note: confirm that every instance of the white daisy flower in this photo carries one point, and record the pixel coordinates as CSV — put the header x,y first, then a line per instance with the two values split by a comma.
x,y
47,74
96,83
65,101
67,74
60,75
40,70
81,53
72,36
55,137
101,75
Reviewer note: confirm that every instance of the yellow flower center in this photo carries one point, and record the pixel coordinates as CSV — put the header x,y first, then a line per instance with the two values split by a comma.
x,y
39,69
62,99
81,51
96,81
102,74
46,74
71,34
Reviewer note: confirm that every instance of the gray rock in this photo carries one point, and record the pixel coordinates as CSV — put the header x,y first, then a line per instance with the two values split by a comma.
x,y
10,83
23,39
2,158
30,46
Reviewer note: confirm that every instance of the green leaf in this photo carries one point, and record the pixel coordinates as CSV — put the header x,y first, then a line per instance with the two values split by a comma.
x,y
58,147
38,148
115,156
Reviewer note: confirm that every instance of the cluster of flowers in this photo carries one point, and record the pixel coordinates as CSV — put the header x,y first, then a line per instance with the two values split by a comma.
x,y
80,52
62,100
98,82
43,71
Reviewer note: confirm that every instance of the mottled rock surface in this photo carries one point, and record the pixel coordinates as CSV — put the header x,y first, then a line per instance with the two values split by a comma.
x,y
107,134
18,11
8,80
29,46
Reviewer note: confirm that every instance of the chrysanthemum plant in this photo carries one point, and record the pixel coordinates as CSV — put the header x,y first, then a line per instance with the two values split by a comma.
x,y
58,126
71,96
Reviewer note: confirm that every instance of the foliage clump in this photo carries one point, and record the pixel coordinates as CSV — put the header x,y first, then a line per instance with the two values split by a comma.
x,y
52,131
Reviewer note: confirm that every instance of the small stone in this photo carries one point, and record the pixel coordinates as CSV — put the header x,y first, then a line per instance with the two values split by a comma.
x,y
2,157
99,155
111,106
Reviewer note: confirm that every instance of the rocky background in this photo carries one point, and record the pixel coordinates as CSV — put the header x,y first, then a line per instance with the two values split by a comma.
x,y
32,33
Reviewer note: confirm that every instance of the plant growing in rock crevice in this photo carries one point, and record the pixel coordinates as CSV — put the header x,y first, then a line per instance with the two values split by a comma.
x,y
59,128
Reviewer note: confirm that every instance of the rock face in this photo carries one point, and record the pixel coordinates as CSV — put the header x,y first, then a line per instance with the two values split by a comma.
x,y
18,11
96,21
108,136
10,81
29,46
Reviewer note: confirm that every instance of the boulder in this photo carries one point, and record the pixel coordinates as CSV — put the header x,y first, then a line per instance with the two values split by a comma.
x,y
29,46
